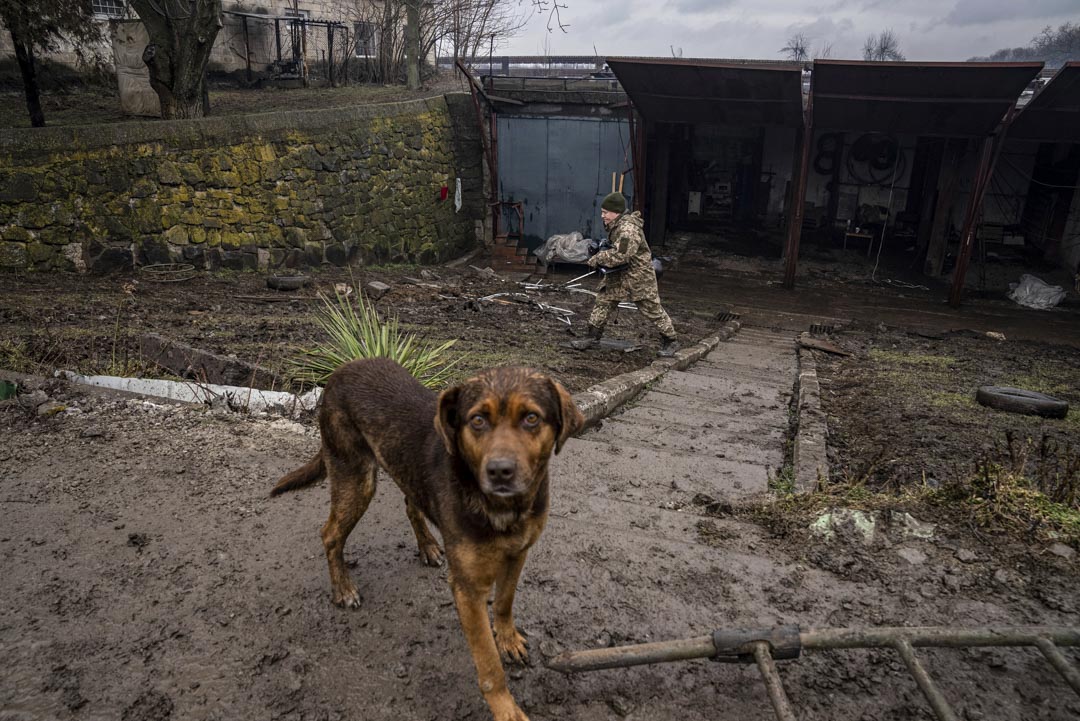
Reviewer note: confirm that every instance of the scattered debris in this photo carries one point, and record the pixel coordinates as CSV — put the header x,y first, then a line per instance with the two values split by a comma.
x,y
287,282
994,335
196,364
343,290
488,272
1018,400
808,341
376,289
1063,550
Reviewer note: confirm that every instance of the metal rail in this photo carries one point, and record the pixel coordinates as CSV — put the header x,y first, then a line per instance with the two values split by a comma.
x,y
765,646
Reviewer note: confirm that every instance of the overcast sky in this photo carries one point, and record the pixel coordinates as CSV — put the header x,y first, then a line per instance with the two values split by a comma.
x,y
927,29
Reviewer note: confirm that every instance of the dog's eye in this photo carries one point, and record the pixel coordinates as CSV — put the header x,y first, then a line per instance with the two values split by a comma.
x,y
531,420
478,422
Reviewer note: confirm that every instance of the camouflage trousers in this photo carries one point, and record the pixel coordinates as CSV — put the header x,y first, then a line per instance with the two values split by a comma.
x,y
650,308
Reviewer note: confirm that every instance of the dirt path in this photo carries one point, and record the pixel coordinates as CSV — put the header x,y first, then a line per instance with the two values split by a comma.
x,y
148,576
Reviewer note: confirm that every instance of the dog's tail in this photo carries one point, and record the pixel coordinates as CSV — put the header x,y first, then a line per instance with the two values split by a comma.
x,y
312,471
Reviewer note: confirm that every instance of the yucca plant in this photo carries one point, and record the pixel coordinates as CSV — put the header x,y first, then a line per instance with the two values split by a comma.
x,y
358,332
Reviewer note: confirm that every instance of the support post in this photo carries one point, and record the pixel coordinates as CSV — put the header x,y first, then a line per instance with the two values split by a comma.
x,y
277,37
947,186
798,201
247,45
330,54
987,162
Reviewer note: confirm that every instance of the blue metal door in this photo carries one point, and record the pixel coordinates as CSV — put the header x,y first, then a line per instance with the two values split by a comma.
x,y
560,169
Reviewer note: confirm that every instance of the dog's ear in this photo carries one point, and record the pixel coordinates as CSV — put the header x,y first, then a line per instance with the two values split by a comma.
x,y
570,419
446,418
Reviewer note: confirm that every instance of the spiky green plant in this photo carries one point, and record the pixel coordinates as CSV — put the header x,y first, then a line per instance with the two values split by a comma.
x,y
357,331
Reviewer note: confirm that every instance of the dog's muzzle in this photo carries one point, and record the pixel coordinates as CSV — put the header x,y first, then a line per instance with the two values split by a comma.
x,y
500,476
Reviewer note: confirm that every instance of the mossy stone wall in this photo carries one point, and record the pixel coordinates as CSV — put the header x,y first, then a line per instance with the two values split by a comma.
x,y
278,190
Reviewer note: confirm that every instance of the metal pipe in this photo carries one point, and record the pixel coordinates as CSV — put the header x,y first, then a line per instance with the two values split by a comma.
x,y
833,638
622,656
773,685
1058,661
941,707
817,639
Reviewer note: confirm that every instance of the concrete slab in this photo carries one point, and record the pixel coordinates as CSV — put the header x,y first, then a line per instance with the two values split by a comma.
x,y
687,420
720,388
673,401
748,448
603,464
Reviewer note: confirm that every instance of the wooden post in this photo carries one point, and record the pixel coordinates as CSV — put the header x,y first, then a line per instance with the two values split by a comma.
x,y
987,160
798,201
247,46
330,53
658,207
277,37
947,187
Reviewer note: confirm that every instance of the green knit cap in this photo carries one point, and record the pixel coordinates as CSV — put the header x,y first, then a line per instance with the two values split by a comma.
x,y
615,202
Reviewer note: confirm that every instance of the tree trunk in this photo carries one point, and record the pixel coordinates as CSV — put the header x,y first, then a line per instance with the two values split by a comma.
x,y
412,44
181,38
24,53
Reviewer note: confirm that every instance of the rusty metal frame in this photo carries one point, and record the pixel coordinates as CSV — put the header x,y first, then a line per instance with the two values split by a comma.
x,y
988,158
765,646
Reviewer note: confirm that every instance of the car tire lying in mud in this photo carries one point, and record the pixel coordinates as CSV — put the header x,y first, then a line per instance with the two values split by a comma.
x,y
287,282
1018,400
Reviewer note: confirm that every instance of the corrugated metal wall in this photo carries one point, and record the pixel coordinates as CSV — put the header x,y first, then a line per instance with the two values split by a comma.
x,y
560,170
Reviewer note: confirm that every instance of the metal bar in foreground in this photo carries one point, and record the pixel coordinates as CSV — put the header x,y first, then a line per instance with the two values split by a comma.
x,y
773,685
817,639
937,701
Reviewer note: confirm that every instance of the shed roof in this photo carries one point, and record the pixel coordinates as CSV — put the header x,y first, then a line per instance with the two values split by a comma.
x,y
943,99
716,92
1054,113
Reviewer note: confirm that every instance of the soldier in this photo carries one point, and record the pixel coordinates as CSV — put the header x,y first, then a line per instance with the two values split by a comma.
x,y
628,260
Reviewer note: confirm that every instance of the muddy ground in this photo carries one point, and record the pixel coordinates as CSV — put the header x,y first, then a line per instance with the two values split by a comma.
x,y
147,575
97,325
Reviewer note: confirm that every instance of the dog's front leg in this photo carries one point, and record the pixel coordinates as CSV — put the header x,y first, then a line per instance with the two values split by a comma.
x,y
470,597
509,642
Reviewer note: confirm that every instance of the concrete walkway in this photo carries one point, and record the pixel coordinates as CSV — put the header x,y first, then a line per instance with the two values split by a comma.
x,y
717,428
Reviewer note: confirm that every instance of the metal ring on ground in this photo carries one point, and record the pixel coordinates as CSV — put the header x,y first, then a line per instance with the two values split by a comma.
x,y
168,272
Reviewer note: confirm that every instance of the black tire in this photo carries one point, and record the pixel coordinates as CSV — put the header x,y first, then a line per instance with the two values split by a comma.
x,y
287,282
1017,400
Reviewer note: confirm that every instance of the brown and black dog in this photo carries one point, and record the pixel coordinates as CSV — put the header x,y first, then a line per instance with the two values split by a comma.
x,y
473,460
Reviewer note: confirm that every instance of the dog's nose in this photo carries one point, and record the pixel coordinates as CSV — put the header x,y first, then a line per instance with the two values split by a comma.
x,y
501,470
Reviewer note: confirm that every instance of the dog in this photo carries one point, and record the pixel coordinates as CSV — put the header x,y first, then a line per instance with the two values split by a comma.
x,y
473,460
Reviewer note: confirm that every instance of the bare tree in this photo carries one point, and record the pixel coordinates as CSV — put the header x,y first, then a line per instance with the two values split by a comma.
x,y
797,48
42,27
1055,47
883,46
182,34
824,51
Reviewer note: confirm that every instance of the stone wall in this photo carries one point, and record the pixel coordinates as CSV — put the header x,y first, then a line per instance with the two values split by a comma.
x,y
277,190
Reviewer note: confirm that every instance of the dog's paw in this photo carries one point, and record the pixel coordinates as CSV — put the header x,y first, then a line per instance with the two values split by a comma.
x,y
506,709
512,645
432,554
347,597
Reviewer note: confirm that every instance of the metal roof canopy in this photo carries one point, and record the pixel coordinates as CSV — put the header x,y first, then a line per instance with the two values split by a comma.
x,y
932,99
1053,115
678,90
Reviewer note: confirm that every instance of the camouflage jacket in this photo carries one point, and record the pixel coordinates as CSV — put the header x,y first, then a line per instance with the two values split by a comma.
x,y
638,281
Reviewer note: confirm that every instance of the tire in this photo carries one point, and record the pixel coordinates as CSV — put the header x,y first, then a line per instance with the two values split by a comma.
x,y
1017,400
286,282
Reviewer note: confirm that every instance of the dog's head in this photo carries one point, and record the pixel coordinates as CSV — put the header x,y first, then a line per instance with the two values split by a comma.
x,y
504,424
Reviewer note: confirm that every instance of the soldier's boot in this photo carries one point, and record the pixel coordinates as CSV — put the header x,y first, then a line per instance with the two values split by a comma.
x,y
592,339
668,347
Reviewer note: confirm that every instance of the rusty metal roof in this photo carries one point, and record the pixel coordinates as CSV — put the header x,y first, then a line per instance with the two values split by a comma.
x,y
1053,115
716,92
942,99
